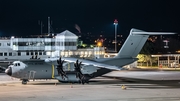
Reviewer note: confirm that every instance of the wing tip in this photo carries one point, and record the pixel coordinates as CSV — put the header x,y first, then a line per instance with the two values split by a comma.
x,y
141,32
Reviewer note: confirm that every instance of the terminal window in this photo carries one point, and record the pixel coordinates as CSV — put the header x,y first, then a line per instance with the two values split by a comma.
x,y
36,53
40,53
19,54
5,54
10,54
8,44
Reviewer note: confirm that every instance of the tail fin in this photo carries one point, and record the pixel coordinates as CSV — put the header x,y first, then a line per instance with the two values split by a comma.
x,y
134,43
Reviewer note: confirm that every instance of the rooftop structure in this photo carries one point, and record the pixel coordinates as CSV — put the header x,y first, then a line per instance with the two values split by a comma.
x,y
63,44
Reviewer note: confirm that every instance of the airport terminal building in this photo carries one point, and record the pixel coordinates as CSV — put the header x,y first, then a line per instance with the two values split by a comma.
x,y
63,44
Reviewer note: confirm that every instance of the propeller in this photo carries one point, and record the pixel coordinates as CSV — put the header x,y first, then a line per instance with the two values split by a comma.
x,y
79,74
60,68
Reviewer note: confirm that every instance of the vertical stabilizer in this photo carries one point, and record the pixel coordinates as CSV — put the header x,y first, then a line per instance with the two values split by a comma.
x,y
134,43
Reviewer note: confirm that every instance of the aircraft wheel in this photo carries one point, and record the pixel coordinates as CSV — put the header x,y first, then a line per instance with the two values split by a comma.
x,y
24,82
82,82
87,82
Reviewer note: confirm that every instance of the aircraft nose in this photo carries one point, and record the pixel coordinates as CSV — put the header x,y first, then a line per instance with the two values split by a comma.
x,y
8,71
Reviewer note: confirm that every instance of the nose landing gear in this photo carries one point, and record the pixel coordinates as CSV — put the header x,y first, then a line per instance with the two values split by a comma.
x,y
31,76
24,81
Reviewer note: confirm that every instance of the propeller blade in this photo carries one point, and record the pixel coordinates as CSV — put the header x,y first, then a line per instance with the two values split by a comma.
x,y
80,64
58,61
79,74
62,61
76,62
60,68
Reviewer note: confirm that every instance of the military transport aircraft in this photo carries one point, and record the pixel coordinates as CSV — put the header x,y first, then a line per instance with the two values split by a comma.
x,y
68,69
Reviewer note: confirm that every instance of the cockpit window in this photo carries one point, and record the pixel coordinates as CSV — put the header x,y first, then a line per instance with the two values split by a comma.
x,y
17,64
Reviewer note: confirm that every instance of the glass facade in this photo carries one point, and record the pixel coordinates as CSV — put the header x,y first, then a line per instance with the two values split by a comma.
x,y
44,44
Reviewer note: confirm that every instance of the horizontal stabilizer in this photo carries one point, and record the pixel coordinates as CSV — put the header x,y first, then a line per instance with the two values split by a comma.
x,y
140,32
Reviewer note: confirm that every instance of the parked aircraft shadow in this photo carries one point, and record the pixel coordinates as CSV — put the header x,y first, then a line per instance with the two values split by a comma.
x,y
56,83
130,83
151,84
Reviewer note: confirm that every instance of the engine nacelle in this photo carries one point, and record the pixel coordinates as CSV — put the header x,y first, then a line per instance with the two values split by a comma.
x,y
68,66
86,69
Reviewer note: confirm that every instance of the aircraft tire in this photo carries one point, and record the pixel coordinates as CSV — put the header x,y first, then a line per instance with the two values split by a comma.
x,y
24,82
87,82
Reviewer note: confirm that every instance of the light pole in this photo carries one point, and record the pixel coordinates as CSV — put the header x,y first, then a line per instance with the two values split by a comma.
x,y
115,24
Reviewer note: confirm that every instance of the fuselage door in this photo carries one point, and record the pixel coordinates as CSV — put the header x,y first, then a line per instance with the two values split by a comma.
x,y
32,74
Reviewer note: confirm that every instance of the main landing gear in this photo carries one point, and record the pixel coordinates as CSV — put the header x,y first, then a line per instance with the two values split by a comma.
x,y
24,81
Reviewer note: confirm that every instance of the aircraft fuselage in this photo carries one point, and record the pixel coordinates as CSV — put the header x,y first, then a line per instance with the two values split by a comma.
x,y
38,69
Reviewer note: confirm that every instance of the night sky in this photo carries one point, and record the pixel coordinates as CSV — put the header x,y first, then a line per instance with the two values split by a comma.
x,y
20,17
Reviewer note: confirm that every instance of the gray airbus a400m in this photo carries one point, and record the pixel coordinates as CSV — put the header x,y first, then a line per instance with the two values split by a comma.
x,y
80,70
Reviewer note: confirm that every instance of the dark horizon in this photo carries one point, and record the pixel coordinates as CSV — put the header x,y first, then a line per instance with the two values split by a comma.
x,y
21,17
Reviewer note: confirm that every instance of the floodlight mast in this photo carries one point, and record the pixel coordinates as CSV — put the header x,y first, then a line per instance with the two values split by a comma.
x,y
115,24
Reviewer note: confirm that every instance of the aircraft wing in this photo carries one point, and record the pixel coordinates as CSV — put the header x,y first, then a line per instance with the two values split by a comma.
x,y
85,62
